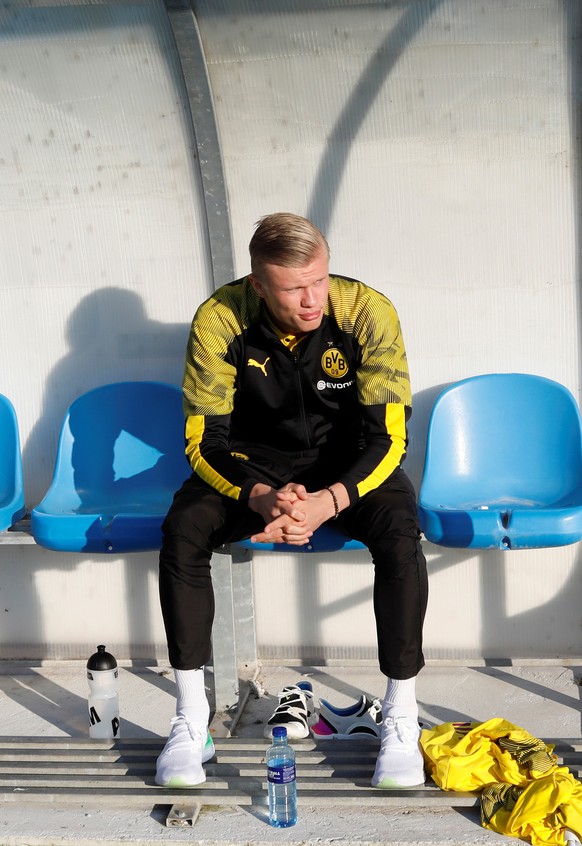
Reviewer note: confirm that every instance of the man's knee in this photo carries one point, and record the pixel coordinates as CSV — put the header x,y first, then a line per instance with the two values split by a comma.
x,y
192,517
390,514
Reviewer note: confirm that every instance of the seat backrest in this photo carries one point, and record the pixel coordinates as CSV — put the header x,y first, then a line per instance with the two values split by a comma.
x,y
121,445
502,438
11,486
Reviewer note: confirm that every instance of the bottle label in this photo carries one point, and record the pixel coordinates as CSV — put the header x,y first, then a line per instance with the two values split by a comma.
x,y
281,775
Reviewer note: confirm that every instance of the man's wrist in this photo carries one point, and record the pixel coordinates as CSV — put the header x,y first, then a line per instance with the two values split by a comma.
x,y
339,498
336,507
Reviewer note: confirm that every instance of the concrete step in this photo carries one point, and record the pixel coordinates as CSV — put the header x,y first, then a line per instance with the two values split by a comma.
x,y
121,772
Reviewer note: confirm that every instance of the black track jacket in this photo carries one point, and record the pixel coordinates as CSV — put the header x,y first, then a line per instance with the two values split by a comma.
x,y
343,395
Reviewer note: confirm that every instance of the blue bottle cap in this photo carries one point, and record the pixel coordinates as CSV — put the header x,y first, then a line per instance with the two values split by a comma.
x,y
279,731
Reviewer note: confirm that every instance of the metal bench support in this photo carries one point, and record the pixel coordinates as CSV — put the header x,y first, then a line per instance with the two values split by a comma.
x,y
234,646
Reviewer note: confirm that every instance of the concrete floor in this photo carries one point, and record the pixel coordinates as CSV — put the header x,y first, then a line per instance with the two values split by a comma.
x,y
50,701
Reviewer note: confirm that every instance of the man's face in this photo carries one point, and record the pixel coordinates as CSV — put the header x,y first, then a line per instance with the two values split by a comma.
x,y
295,296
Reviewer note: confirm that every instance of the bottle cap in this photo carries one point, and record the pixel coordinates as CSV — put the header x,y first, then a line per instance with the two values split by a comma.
x,y
279,731
101,660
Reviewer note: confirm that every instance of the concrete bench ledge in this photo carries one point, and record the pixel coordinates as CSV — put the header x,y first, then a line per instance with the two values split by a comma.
x,y
19,533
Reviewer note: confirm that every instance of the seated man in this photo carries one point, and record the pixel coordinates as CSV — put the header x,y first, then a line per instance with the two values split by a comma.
x,y
296,397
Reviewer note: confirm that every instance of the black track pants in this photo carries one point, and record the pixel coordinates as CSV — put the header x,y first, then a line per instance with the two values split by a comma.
x,y
200,520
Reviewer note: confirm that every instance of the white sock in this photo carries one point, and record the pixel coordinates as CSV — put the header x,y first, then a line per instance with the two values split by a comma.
x,y
191,698
400,698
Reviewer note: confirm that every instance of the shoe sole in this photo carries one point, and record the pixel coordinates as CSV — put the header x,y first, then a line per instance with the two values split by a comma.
x,y
302,731
391,784
292,733
180,783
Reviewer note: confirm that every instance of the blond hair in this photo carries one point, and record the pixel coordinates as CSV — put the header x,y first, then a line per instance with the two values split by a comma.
x,y
285,239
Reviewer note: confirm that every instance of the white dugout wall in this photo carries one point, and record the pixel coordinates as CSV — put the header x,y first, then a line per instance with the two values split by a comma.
x,y
434,141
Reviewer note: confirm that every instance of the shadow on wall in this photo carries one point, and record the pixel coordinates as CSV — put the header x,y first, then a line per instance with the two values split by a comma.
x,y
343,135
110,339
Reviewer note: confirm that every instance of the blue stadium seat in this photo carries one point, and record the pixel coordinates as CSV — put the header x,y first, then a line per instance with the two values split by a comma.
x,y
503,465
325,539
11,487
120,460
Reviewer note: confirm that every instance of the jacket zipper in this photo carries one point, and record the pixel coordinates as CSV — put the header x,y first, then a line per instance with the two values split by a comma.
x,y
301,401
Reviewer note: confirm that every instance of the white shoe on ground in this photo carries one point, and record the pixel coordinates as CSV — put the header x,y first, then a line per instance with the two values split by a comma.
x,y
181,759
295,711
400,763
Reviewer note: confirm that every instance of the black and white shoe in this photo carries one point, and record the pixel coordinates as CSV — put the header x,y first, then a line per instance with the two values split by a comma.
x,y
295,711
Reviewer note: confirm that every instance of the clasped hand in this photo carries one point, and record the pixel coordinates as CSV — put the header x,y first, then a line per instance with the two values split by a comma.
x,y
291,514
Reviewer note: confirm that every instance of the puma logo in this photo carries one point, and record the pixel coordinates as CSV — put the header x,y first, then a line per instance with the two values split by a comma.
x,y
252,363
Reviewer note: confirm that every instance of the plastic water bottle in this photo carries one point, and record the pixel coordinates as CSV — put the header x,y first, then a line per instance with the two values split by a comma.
x,y
103,700
282,780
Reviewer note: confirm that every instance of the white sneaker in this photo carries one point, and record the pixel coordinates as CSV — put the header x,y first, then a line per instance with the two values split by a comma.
x,y
400,762
181,759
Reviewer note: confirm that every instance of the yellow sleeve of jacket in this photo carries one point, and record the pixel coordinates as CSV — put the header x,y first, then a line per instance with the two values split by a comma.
x,y
383,382
209,387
